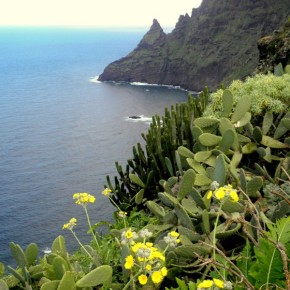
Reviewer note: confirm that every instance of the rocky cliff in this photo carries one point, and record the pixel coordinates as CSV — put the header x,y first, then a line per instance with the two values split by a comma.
x,y
274,49
214,45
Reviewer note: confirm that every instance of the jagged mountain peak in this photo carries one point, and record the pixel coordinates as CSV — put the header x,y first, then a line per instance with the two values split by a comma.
x,y
216,44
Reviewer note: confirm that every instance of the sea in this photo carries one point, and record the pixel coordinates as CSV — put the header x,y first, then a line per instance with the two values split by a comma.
x,y
62,130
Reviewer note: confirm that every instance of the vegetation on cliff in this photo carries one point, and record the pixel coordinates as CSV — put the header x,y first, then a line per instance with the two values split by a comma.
x,y
216,44
212,212
274,49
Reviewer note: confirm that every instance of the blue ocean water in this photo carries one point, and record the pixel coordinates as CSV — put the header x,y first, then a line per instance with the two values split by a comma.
x,y
61,131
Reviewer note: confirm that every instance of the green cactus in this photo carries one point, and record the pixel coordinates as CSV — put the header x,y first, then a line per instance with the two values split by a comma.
x,y
24,259
208,139
31,253
155,208
67,282
98,276
241,108
50,285
186,183
227,101
228,233
267,122
59,247
202,156
192,251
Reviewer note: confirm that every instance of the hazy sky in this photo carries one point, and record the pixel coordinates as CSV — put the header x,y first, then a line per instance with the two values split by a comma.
x,y
105,13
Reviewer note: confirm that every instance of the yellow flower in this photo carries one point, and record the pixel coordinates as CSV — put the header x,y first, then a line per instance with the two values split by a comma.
x,y
128,237
122,214
106,191
129,262
156,255
137,246
234,196
205,284
163,271
148,267
72,222
149,245
174,234
209,194
219,283
156,277
129,234
84,198
220,193
142,279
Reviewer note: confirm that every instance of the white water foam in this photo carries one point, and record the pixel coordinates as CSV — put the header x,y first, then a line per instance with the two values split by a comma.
x,y
140,118
157,85
95,80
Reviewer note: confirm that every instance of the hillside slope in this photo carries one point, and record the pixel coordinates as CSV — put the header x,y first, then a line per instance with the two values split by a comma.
x,y
214,45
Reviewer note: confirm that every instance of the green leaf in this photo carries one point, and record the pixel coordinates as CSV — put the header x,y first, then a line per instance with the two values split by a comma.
x,y
228,100
273,143
267,122
266,269
18,255
58,247
183,216
243,106
205,122
98,276
186,183
201,156
169,166
136,179
280,231
139,196
278,70
181,284
208,139
220,170
185,152
51,285
67,282
31,253
244,261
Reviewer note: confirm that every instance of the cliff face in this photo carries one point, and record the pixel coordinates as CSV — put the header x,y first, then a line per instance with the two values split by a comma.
x,y
214,45
274,49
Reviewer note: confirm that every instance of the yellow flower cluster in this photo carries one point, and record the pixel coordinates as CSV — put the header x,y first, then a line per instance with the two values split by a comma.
x,y
106,191
206,284
84,198
128,237
172,239
223,192
72,222
145,258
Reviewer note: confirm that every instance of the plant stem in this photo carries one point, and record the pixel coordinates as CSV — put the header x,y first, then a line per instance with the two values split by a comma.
x,y
132,280
214,231
79,242
90,226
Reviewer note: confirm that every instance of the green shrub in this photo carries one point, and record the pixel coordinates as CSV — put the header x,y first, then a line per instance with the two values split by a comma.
x,y
267,92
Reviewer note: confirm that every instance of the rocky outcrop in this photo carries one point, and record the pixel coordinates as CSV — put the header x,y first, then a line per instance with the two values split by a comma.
x,y
274,49
216,44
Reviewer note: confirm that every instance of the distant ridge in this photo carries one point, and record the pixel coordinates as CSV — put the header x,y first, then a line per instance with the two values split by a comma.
x,y
216,44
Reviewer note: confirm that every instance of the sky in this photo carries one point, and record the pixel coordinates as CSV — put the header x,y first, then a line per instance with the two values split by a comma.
x,y
100,13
